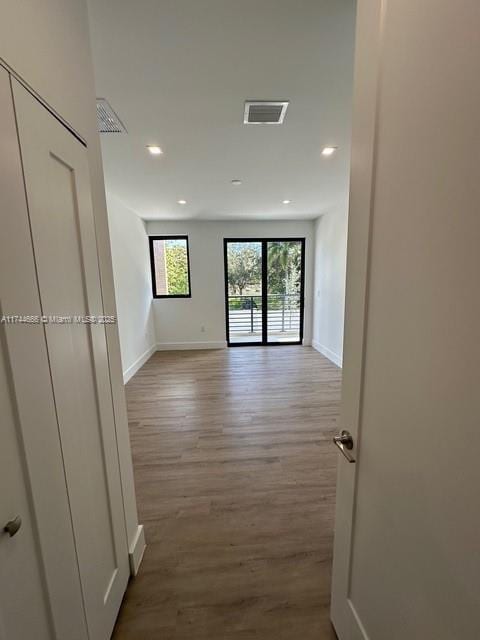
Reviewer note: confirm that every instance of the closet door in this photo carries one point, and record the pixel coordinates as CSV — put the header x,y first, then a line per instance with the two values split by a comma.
x,y
40,594
62,224
23,606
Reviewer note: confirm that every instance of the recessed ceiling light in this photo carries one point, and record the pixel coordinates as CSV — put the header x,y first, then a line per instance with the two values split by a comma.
x,y
154,149
182,201
286,201
327,151
236,182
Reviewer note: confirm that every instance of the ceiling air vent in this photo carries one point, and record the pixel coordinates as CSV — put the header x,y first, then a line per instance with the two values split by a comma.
x,y
265,111
107,119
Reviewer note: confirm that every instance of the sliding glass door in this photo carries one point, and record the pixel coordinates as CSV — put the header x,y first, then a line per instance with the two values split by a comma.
x,y
243,274
264,289
284,290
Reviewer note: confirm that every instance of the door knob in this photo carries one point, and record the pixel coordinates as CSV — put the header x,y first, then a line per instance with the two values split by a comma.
x,y
13,526
345,443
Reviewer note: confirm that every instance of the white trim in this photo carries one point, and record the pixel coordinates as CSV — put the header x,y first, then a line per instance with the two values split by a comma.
x,y
328,353
137,549
139,362
182,346
55,114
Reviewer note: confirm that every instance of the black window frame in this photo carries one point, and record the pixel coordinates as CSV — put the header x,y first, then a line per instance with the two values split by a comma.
x,y
264,242
151,240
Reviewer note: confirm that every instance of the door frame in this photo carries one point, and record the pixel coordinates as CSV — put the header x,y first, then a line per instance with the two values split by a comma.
x,y
369,33
101,602
264,242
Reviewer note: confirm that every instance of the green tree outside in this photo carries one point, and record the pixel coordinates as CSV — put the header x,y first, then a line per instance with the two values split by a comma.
x,y
244,268
284,269
177,268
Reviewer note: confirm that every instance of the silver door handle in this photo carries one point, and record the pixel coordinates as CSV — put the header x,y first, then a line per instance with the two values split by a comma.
x,y
13,526
345,443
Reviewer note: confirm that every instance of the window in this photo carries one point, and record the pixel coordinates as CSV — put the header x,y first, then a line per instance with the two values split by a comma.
x,y
170,266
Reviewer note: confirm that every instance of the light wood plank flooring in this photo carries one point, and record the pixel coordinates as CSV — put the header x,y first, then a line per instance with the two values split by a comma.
x,y
235,478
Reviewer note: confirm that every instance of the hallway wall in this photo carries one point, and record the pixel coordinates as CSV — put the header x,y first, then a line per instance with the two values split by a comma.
x,y
199,321
329,283
133,288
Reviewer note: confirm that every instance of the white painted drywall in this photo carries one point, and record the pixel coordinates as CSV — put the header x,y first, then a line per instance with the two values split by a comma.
x,y
179,322
133,287
329,283
52,56
47,44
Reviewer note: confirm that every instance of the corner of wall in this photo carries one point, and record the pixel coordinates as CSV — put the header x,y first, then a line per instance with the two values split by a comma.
x,y
329,283
336,358
131,270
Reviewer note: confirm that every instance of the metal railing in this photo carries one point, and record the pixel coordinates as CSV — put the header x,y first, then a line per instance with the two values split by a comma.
x,y
245,314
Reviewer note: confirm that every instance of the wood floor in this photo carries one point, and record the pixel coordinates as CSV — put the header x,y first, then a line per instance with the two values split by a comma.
x,y
235,478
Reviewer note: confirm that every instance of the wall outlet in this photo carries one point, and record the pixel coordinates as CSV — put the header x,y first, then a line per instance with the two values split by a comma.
x,y
202,329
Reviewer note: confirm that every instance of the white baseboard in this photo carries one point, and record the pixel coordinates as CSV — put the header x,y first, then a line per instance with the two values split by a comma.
x,y
132,370
328,353
182,346
136,551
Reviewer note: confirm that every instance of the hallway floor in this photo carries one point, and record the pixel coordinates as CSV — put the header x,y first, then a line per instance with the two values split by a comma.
x,y
235,477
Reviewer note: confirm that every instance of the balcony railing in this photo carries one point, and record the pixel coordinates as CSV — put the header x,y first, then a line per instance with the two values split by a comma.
x,y
283,315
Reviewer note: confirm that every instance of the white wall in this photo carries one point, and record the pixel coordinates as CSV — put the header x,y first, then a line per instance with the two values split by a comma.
x,y
179,322
329,283
133,287
52,55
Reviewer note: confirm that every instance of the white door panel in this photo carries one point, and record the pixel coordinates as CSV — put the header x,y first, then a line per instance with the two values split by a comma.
x,y
40,564
58,193
24,609
407,552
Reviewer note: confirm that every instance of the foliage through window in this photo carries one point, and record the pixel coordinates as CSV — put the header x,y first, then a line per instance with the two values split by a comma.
x,y
170,266
244,268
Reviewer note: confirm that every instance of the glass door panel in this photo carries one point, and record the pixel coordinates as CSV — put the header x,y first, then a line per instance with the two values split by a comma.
x,y
264,288
244,292
284,290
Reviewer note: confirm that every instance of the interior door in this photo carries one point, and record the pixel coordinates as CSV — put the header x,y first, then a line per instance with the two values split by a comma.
x,y
407,552
63,233
23,605
40,593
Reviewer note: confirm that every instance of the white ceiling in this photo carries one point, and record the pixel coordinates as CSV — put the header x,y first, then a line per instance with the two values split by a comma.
x,y
177,72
